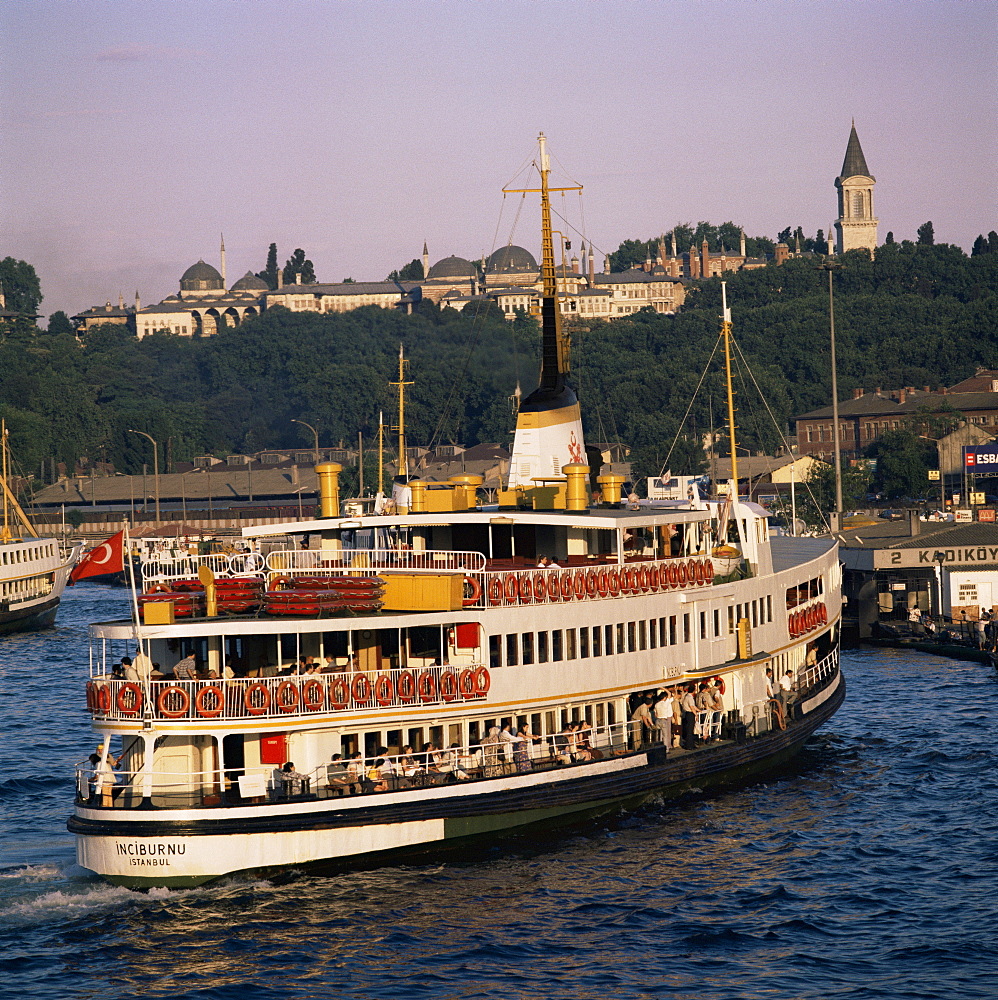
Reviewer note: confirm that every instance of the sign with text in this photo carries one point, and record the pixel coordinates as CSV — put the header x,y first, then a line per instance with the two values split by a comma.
x,y
986,515
962,556
976,499
934,475
963,514
981,456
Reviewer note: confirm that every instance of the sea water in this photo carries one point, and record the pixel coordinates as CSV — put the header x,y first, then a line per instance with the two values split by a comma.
x,y
867,870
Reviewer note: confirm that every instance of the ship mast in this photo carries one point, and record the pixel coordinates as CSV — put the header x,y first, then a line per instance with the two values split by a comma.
x,y
403,463
9,500
726,334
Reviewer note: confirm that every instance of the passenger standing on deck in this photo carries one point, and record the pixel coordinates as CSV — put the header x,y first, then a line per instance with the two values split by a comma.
x,y
689,709
186,669
142,665
645,728
663,717
491,750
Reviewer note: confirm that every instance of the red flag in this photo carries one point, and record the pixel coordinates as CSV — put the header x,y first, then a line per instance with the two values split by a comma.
x,y
108,557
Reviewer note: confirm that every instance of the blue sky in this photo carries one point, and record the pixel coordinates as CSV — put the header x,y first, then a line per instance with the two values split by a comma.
x,y
136,132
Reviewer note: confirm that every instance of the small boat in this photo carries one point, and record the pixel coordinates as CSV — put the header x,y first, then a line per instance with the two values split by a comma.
x,y
33,570
446,670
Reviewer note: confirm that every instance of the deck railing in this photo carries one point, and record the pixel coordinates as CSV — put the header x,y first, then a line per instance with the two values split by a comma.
x,y
267,784
286,696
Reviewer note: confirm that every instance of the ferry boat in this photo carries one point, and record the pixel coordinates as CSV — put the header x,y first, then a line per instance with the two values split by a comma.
x,y
363,687
33,570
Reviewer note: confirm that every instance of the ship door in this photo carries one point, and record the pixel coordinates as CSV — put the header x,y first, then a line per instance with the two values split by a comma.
x,y
367,649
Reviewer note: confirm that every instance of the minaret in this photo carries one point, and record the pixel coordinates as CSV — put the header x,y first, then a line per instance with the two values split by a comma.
x,y
592,266
741,245
426,261
831,240
222,254
138,303
856,227
674,254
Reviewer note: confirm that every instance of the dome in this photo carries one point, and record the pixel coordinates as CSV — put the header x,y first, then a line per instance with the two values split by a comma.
x,y
249,282
200,277
453,267
511,258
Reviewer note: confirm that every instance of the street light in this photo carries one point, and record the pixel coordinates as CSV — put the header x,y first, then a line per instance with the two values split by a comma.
x,y
940,557
155,463
314,432
830,266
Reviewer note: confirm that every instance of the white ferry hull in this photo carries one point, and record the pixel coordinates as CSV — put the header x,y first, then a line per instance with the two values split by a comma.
x,y
194,847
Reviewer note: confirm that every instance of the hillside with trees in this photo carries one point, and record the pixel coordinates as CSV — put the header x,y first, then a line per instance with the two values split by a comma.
x,y
919,314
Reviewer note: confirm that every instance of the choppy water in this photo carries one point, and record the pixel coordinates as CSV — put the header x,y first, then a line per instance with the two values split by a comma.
x,y
867,871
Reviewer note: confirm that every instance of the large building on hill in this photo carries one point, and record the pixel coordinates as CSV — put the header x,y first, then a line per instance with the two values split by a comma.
x,y
856,227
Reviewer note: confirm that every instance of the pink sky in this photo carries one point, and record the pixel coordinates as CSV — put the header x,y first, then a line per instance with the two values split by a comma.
x,y
135,132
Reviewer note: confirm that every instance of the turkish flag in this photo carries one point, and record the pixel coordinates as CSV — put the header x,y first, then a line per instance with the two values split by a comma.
x,y
108,557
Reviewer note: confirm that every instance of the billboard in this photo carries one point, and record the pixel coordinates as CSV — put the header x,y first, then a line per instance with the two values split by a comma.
x,y
983,457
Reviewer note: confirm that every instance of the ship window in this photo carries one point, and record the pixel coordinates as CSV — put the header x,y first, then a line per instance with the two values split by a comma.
x,y
662,637
416,740
542,647
511,650
584,643
494,661
348,744
528,648
652,634
620,637
769,607
556,646
597,641
703,624
600,715
731,620
608,640
717,622
673,635
571,652
642,635
631,645
755,614
687,631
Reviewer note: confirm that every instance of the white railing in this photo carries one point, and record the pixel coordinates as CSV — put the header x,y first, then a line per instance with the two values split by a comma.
x,y
356,775
814,676
286,697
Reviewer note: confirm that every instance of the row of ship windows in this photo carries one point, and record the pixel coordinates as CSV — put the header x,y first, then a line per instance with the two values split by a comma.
x,y
11,557
526,648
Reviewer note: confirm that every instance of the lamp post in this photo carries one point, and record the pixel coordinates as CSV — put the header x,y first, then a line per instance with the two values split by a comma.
x,y
155,463
939,557
314,432
831,267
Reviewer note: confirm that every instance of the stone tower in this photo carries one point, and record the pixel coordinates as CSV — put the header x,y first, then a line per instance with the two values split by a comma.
x,y
856,227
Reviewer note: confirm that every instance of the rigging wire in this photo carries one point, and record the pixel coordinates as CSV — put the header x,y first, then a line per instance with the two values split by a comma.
x,y
693,398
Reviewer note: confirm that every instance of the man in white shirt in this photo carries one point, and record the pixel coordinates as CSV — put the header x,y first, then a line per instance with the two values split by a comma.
x,y
663,717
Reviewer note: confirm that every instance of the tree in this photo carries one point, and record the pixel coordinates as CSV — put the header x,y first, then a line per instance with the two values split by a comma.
x,y
413,271
993,241
903,462
297,264
269,273
889,242
926,234
21,288
59,324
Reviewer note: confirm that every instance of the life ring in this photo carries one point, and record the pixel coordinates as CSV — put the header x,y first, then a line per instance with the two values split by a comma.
x,y
781,719
482,682
681,576
691,571
629,581
466,684
654,579
164,700
448,685
384,690
698,573
360,689
282,688
280,583
708,570
248,703
719,684
426,686
823,614
406,687
567,590
495,591
812,618
200,701
103,699
644,578
159,588
670,576
525,588
553,585
540,586
510,589
592,582
794,625
581,585
91,696
472,591
130,706
613,582
339,693
312,695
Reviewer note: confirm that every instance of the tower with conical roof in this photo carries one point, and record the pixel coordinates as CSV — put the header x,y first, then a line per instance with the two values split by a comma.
x,y
856,227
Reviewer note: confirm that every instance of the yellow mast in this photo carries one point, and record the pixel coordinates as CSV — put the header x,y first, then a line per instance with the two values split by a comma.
x,y
381,453
403,465
9,500
726,334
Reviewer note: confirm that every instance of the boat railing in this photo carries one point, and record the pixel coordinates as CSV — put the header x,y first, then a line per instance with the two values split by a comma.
x,y
599,581
270,784
811,677
287,696
314,561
